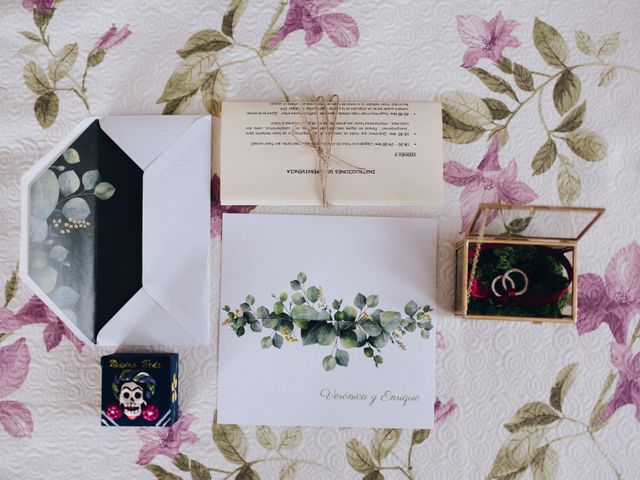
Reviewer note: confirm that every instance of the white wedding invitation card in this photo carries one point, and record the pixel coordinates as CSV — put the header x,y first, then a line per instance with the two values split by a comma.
x,y
327,321
381,154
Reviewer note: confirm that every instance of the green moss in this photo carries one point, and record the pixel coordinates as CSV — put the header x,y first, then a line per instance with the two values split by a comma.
x,y
546,276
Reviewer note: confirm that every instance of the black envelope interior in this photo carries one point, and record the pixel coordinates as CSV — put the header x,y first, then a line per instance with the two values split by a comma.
x,y
102,244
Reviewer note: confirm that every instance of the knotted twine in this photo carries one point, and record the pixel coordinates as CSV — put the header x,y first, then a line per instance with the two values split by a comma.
x,y
320,129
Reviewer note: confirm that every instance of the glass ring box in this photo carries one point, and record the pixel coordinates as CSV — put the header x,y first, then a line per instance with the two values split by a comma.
x,y
519,262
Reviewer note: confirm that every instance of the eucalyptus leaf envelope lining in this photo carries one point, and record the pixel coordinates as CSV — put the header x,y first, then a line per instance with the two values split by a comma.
x,y
115,230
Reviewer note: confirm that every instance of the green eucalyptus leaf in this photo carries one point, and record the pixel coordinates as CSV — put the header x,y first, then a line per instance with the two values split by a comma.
x,y
566,91
266,342
336,304
58,253
348,338
90,179
44,195
45,277
379,341
391,320
360,301
378,360
302,278
272,322
256,327
350,314
310,335
587,144
304,312
372,301
411,308
371,328
544,157
69,183
419,436
250,299
342,357
104,191
262,312
295,285
326,334
329,363
204,41
278,341
424,334
76,209
313,294
283,297
550,44
37,258
71,156
324,315
278,308
368,352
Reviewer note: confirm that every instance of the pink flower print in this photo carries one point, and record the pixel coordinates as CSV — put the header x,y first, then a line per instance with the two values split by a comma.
x,y
165,440
613,300
485,39
628,387
112,37
41,6
35,311
15,417
442,411
310,16
439,340
217,210
489,183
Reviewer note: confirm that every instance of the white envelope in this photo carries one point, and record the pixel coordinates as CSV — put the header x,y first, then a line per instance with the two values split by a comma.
x,y
172,307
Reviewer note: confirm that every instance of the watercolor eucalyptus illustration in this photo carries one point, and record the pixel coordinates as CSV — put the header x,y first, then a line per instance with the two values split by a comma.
x,y
330,325
58,77
61,226
467,117
209,54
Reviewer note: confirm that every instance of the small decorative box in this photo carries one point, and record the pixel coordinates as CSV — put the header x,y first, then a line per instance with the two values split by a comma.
x,y
519,262
139,390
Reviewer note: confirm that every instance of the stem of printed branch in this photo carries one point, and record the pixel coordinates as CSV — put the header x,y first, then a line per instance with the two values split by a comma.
x,y
636,334
544,123
277,14
399,469
605,456
266,68
218,470
566,437
84,77
409,467
540,73
550,78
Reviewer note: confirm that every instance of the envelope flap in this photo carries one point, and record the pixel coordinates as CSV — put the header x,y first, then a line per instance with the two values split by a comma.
x,y
176,219
145,137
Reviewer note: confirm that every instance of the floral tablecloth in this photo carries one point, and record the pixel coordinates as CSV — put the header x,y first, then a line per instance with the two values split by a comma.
x,y
542,104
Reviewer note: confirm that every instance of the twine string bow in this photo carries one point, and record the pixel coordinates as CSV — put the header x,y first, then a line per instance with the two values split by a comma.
x,y
318,129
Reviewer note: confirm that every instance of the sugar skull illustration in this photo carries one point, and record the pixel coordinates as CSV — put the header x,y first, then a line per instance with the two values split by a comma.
x,y
133,389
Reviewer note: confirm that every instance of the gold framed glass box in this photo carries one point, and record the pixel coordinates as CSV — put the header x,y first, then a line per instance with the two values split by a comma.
x,y
518,262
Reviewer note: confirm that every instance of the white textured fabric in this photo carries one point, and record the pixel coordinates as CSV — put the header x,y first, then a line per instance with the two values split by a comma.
x,y
407,50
